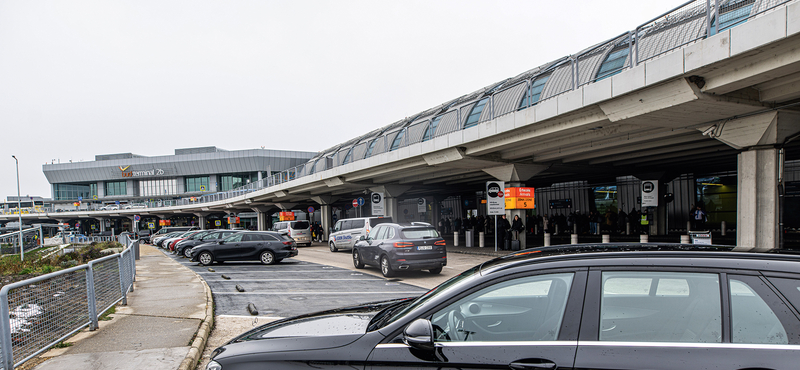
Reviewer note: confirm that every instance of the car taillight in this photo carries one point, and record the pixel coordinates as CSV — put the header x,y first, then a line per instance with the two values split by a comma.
x,y
287,243
439,242
403,244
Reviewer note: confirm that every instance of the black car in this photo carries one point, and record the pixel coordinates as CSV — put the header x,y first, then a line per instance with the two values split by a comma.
x,y
401,247
269,247
184,247
653,306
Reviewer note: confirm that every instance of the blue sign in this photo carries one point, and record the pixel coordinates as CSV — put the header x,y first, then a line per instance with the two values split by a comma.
x,y
310,209
80,199
137,218
360,201
117,202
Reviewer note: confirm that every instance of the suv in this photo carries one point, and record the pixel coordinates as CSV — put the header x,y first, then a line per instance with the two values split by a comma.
x,y
299,230
268,247
348,231
401,247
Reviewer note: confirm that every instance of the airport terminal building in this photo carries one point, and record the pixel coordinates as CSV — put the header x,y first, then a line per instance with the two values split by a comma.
x,y
128,179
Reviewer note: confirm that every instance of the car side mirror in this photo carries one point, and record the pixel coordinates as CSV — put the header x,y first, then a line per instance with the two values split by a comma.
x,y
221,242
362,237
419,335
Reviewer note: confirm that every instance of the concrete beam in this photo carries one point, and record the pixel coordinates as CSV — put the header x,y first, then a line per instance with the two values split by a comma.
x,y
324,199
334,181
659,152
669,137
768,128
391,191
444,156
652,99
394,167
285,206
780,90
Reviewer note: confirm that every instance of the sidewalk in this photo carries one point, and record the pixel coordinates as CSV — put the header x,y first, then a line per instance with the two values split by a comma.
x,y
156,330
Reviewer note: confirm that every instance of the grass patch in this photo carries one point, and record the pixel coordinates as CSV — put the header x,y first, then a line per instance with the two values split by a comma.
x,y
62,345
105,315
36,264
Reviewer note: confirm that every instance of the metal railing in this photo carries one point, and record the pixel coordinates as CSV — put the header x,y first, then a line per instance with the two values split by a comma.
x,y
45,310
686,23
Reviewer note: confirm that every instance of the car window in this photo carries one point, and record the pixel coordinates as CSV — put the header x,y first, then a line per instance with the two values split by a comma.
x,y
660,307
375,233
250,238
790,288
234,238
300,225
419,233
210,236
376,221
752,320
338,226
268,237
389,233
523,309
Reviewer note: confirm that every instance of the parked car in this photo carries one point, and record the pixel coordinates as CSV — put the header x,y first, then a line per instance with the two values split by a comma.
x,y
401,247
159,240
169,244
269,247
168,229
110,207
184,247
299,230
348,231
654,306
136,206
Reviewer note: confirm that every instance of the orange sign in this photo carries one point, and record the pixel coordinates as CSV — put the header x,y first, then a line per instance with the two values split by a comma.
x,y
519,198
519,192
286,216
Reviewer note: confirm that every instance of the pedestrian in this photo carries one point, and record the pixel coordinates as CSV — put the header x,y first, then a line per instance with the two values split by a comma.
x,y
502,229
441,226
517,227
699,218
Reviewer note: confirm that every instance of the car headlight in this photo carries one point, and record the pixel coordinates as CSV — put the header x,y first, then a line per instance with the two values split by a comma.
x,y
213,365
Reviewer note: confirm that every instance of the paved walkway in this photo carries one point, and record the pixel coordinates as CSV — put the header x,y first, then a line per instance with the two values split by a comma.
x,y
156,330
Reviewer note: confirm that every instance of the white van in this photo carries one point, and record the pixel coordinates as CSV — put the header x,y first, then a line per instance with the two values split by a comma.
x,y
299,230
347,232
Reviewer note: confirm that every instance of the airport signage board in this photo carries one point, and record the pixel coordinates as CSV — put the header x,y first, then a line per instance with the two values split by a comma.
x,y
495,204
650,193
377,201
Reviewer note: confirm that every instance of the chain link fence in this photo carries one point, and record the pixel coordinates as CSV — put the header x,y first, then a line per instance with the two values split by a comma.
x,y
45,310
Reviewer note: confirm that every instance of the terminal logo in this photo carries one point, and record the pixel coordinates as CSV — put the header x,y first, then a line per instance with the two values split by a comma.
x,y
124,168
131,173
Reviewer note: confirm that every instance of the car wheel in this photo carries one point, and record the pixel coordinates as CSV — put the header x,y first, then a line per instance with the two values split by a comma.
x,y
357,259
205,258
333,247
268,258
386,268
187,252
436,270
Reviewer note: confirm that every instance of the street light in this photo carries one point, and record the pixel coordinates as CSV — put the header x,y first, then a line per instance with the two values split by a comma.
x,y
19,210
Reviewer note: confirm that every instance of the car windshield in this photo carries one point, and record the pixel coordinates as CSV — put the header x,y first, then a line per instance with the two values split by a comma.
x,y
377,221
419,233
397,312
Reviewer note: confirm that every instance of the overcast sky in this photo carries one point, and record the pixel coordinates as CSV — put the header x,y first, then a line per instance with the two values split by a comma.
x,y
81,78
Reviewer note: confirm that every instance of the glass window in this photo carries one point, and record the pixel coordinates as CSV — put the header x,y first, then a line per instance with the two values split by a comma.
x,y
790,288
380,234
338,226
475,114
660,307
269,237
300,225
348,157
234,238
370,148
732,13
524,309
158,187
397,140
751,318
74,191
233,181
389,233
614,63
430,131
116,188
377,221
535,92
419,233
195,184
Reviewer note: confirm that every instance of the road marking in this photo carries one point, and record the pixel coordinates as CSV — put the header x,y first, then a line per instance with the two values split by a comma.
x,y
270,280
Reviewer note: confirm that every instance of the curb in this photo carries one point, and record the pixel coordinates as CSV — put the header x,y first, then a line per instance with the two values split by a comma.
x,y
201,337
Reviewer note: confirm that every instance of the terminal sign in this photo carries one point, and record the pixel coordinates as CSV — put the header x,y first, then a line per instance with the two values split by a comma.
x,y
519,198
494,198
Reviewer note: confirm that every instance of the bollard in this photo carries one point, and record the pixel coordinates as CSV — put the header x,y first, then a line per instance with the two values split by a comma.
x,y
627,228
573,239
606,238
644,238
574,229
556,229
723,226
685,239
688,226
480,240
546,239
455,238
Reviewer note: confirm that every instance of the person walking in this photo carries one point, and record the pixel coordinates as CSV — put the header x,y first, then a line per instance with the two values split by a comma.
x,y
699,218
502,228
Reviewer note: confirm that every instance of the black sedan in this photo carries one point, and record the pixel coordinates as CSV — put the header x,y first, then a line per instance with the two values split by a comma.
x,y
401,247
266,246
661,307
184,247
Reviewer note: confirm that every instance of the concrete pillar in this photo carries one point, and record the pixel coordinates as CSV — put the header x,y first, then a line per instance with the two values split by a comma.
x,y
390,205
757,199
262,221
102,221
327,219
546,239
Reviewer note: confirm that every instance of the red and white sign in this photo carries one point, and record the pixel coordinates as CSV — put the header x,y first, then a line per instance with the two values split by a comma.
x,y
355,203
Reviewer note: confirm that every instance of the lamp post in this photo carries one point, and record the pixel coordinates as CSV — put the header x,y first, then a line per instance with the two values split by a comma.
x,y
19,212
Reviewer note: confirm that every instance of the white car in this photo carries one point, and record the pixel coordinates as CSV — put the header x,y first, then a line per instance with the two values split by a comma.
x,y
110,207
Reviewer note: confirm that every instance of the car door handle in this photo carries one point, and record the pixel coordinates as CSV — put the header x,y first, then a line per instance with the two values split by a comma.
x,y
533,364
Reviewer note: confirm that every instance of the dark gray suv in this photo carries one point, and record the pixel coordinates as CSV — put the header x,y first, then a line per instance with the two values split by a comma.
x,y
401,247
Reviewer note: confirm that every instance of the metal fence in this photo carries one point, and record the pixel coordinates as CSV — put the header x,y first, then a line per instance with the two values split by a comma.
x,y
41,312
691,21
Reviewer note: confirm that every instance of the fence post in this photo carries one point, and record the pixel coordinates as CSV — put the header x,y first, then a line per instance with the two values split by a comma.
x,y
708,18
122,287
5,329
90,298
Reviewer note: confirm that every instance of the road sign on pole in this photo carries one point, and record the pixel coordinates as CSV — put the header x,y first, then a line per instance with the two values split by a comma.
x,y
355,203
360,201
495,204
